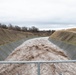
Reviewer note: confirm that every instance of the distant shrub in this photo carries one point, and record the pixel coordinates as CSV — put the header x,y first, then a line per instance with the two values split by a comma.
x,y
53,31
17,28
11,27
33,29
3,26
24,29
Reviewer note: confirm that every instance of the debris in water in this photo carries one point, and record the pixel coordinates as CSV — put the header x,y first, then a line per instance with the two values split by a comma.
x,y
38,49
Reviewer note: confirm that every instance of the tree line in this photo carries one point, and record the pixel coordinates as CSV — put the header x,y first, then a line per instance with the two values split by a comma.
x,y
17,28
24,29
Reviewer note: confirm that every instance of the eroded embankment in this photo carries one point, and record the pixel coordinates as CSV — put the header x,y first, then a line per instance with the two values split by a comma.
x,y
38,49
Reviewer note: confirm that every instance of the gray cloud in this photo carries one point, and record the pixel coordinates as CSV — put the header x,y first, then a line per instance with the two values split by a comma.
x,y
38,12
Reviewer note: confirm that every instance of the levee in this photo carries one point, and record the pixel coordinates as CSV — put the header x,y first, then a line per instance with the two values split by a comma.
x,y
6,49
68,48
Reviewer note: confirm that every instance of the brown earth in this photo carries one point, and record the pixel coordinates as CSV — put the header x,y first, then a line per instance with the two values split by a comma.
x,y
67,36
72,29
7,36
38,49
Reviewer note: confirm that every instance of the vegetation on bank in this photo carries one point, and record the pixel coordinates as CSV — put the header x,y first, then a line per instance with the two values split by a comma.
x,y
12,33
68,36
23,29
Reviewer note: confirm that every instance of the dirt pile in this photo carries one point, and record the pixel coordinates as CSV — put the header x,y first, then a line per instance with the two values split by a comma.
x,y
38,49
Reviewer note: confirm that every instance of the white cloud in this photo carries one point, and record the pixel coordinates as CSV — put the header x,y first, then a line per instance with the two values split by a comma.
x,y
42,11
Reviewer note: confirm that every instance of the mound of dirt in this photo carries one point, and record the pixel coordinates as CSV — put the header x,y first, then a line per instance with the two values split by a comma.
x,y
38,49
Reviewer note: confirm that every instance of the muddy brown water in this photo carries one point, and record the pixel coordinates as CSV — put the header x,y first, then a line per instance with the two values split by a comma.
x,y
38,49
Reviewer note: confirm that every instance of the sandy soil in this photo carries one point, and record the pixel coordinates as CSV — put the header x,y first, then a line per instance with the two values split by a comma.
x,y
38,49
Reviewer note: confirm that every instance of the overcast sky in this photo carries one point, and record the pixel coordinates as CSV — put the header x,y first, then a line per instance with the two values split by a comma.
x,y
45,14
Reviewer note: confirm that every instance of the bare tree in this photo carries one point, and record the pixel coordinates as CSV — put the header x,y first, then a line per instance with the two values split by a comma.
x,y
24,29
53,31
17,28
10,26
0,25
4,26
33,29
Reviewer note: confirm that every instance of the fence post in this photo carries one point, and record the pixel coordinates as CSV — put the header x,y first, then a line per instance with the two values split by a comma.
x,y
38,68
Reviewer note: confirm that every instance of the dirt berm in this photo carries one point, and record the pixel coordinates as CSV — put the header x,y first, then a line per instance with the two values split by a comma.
x,y
68,48
66,40
38,49
6,49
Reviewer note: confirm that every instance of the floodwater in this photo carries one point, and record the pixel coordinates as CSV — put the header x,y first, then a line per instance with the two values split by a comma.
x,y
38,49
